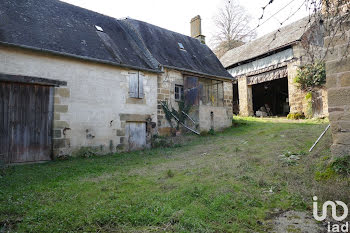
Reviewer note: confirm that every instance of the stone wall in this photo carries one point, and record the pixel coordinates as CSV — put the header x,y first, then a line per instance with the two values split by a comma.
x,y
166,87
245,97
338,84
297,101
201,114
92,110
217,118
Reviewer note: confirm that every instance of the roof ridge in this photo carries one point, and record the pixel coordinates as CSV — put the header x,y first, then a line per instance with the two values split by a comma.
x,y
192,38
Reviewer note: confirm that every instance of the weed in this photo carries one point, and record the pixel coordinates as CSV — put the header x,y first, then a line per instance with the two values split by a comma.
x,y
295,116
211,132
205,133
160,142
325,174
85,152
170,173
341,165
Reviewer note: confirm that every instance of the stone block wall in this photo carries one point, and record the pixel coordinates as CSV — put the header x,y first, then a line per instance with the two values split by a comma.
x,y
214,117
60,127
245,97
338,84
297,101
166,87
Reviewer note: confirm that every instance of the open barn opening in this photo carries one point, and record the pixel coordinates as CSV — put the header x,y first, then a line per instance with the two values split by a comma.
x,y
271,98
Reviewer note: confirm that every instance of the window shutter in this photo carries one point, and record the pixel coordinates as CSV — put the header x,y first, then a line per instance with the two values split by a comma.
x,y
133,85
141,77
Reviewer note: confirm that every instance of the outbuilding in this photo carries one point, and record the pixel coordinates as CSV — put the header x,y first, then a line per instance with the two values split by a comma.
x,y
264,71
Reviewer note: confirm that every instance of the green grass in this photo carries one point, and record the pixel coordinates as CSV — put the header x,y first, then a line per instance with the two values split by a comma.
x,y
215,183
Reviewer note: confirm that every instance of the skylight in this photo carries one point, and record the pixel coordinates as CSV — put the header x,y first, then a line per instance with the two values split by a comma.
x,y
181,46
99,28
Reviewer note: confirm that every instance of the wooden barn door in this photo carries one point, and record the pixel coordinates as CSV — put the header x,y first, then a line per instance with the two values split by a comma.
x,y
26,125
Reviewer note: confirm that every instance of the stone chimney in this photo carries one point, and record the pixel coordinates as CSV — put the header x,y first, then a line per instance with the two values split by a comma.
x,y
196,29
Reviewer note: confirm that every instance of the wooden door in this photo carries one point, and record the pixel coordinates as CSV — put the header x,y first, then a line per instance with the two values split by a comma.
x,y
26,128
136,134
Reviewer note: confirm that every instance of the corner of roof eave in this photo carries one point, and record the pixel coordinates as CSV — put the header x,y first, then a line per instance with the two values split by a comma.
x,y
269,51
64,54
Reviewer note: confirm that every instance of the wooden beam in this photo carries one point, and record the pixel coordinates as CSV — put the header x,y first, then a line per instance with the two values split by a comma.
x,y
31,80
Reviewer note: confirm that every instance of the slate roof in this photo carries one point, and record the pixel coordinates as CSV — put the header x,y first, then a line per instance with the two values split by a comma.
x,y
60,28
280,38
55,26
163,45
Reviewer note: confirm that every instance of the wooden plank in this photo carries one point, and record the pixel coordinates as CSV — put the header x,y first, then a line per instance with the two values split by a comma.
x,y
31,80
5,89
31,109
136,134
141,78
133,85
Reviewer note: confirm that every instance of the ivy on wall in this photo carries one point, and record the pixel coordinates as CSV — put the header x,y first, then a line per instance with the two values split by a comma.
x,y
311,76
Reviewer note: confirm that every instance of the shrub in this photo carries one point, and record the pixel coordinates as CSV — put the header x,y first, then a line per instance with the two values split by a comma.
x,y
296,116
311,75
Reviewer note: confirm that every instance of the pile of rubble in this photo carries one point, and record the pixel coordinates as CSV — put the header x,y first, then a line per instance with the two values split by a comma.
x,y
264,111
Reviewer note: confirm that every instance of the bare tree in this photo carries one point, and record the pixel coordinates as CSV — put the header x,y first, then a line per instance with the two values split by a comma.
x,y
233,28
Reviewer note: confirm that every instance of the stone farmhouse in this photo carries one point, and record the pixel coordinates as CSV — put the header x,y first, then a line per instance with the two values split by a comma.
x,y
264,71
72,78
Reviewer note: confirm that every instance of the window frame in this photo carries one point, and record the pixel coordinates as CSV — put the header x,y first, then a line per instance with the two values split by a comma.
x,y
180,93
136,83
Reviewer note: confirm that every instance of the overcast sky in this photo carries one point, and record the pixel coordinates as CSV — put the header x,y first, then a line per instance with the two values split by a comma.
x,y
175,15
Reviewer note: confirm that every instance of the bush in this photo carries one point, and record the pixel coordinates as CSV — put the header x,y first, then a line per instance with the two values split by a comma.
x,y
296,116
311,75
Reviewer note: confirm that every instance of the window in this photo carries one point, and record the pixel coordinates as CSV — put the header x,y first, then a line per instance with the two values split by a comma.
x,y
98,28
179,93
181,46
136,85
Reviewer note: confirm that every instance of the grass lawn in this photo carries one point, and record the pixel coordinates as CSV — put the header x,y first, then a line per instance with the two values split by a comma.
x,y
234,181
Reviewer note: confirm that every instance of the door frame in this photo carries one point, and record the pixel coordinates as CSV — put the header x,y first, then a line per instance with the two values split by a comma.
x,y
52,83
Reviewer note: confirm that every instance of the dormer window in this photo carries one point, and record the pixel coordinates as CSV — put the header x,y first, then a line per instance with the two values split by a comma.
x,y
181,46
98,28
